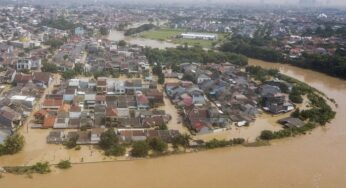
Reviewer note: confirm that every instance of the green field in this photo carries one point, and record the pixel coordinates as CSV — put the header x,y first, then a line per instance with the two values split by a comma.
x,y
161,34
169,35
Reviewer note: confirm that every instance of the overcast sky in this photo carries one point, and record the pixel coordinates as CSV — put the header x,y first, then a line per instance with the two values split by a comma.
x,y
319,2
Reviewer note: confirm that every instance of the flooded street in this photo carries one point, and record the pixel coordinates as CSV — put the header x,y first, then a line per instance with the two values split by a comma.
x,y
313,160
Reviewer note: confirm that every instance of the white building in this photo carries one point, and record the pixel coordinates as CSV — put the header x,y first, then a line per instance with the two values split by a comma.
x,y
204,36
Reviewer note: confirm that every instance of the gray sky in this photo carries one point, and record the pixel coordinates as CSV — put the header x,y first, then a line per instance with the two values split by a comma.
x,y
334,3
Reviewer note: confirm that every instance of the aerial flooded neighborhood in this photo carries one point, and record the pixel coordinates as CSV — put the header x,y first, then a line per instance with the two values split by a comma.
x,y
122,89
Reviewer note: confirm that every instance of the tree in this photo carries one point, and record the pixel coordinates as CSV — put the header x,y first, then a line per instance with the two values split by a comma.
x,y
122,43
162,127
116,150
78,68
64,164
13,144
157,145
41,168
108,139
49,67
65,57
140,149
69,74
104,31
267,135
72,141
161,79
181,140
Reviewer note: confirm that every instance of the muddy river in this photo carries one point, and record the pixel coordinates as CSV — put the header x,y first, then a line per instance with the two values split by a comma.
x,y
314,160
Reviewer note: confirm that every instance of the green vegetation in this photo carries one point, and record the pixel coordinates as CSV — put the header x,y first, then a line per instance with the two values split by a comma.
x,y
40,168
157,70
12,144
71,142
296,95
64,164
260,48
250,48
261,74
104,31
140,149
59,23
157,145
270,135
49,67
110,144
174,56
181,140
223,143
54,43
144,27
217,144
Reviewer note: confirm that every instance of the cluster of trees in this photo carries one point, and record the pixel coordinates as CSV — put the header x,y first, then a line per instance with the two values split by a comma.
x,y
157,70
270,135
333,65
49,67
59,23
142,148
53,68
12,144
54,43
260,73
40,168
223,143
144,27
71,142
320,112
104,31
251,48
183,54
260,48
110,144
296,95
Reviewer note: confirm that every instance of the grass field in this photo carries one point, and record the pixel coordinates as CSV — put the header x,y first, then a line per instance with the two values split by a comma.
x,y
161,34
169,35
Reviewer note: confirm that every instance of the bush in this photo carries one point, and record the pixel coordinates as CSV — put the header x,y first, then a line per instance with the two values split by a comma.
x,y
65,164
108,139
41,168
116,150
237,141
71,142
266,135
12,144
217,143
140,149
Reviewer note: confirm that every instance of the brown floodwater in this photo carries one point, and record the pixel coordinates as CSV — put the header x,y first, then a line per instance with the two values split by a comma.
x,y
314,160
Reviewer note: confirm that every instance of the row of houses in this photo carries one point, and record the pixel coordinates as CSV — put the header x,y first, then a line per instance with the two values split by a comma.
x,y
93,136
219,95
